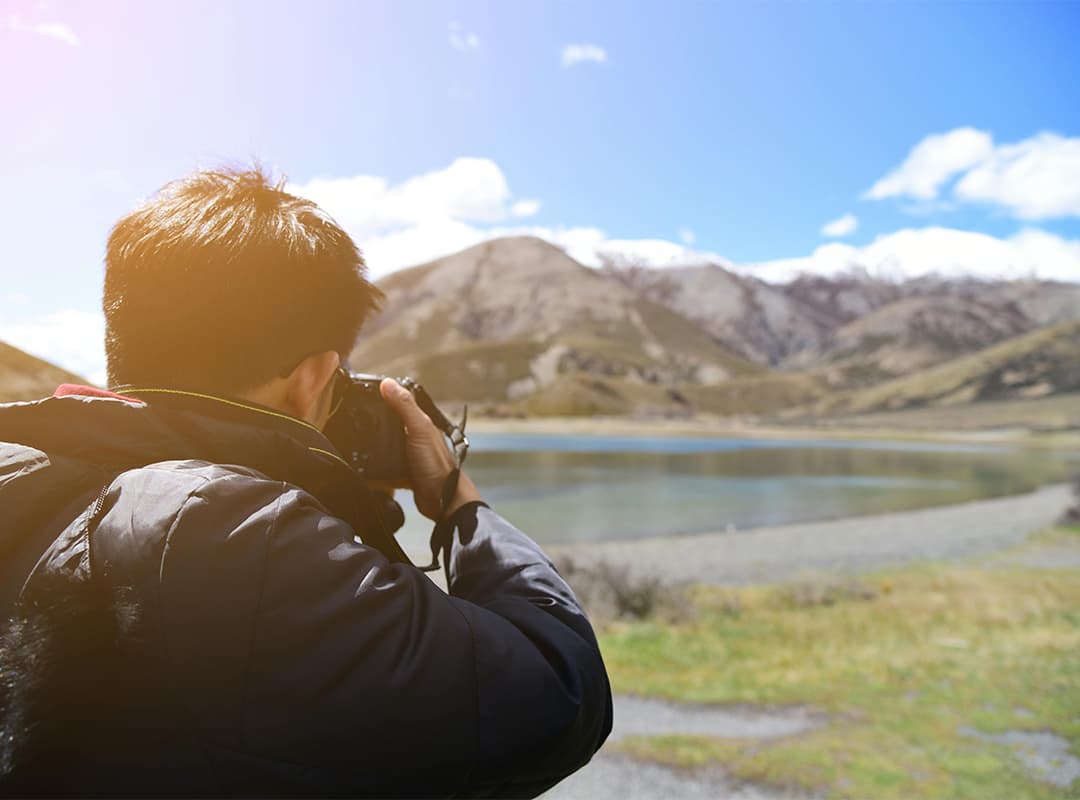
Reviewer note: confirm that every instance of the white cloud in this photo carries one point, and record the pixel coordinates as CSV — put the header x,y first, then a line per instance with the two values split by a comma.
x,y
1034,179
687,236
72,339
844,226
1037,178
470,189
526,207
592,247
932,162
913,252
53,30
462,40
444,211
423,217
425,242
406,247
579,53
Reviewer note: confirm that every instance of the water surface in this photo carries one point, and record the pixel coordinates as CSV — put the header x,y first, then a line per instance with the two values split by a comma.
x,y
587,488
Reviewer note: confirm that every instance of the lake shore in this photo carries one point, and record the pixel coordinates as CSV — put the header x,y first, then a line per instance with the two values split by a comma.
x,y
749,429
850,545
1047,422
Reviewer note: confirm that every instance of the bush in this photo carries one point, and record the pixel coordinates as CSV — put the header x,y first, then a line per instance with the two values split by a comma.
x,y
611,591
1072,514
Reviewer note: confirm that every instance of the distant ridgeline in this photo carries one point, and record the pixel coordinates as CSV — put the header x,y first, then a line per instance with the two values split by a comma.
x,y
24,377
515,326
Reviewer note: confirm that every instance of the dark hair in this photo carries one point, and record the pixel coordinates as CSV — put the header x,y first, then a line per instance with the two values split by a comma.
x,y
224,280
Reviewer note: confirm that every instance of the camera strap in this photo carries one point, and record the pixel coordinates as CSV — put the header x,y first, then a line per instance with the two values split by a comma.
x,y
455,433
442,534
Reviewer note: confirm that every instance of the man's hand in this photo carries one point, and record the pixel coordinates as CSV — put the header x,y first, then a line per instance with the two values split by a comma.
x,y
430,461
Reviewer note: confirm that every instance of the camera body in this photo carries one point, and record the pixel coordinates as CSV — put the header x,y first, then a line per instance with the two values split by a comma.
x,y
367,432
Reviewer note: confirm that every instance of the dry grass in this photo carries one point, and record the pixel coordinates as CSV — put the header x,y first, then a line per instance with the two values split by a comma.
x,y
1044,415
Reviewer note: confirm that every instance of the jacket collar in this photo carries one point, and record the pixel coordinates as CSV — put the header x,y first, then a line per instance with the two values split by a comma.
x,y
114,432
142,426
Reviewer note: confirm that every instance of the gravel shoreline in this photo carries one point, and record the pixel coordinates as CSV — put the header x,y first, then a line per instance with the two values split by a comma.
x,y
850,545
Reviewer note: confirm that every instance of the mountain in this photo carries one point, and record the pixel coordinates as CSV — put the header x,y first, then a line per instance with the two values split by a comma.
x,y
842,298
920,323
760,322
1043,302
25,377
907,335
852,330
1038,364
518,325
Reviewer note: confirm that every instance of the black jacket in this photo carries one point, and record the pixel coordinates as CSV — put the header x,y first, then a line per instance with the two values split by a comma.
x,y
204,620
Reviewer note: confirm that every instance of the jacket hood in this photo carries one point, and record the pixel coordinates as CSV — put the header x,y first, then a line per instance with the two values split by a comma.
x,y
115,433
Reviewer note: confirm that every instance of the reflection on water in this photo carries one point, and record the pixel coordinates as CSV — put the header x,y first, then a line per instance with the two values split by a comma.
x,y
564,489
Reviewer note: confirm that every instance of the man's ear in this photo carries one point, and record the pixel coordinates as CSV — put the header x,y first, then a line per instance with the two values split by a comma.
x,y
305,387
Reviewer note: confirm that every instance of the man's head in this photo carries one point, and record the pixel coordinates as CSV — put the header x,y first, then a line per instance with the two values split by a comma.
x,y
226,284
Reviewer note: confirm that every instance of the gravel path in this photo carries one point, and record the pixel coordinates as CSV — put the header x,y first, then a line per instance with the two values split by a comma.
x,y
635,716
624,778
611,774
850,545
1045,755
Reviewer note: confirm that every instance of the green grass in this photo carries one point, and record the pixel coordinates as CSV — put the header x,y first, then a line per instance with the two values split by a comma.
x,y
899,670
763,394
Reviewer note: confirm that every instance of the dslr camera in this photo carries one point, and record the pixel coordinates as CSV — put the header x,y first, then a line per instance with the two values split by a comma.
x,y
369,434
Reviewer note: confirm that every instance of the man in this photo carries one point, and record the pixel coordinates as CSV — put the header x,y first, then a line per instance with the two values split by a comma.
x,y
193,613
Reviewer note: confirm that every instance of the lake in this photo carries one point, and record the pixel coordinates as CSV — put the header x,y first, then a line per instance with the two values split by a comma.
x,y
586,488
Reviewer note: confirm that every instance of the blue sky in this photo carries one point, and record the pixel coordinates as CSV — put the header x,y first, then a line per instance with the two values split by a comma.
x,y
738,130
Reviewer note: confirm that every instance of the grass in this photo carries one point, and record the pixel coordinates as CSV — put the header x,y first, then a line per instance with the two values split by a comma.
x,y
1060,534
900,666
1049,417
754,396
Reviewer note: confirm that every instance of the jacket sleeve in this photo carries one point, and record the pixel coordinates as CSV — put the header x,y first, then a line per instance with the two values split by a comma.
x,y
536,657
341,673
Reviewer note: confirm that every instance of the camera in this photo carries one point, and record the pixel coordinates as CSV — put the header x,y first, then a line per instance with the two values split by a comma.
x,y
366,431
369,434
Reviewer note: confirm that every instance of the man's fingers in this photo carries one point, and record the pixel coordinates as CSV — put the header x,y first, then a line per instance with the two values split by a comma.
x,y
430,461
404,404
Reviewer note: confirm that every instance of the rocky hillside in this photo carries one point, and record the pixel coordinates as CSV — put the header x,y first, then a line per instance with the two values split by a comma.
x,y
516,326
907,335
24,377
760,322
853,330
1038,364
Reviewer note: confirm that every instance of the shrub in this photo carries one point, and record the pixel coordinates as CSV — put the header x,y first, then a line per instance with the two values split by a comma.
x,y
612,591
1072,514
